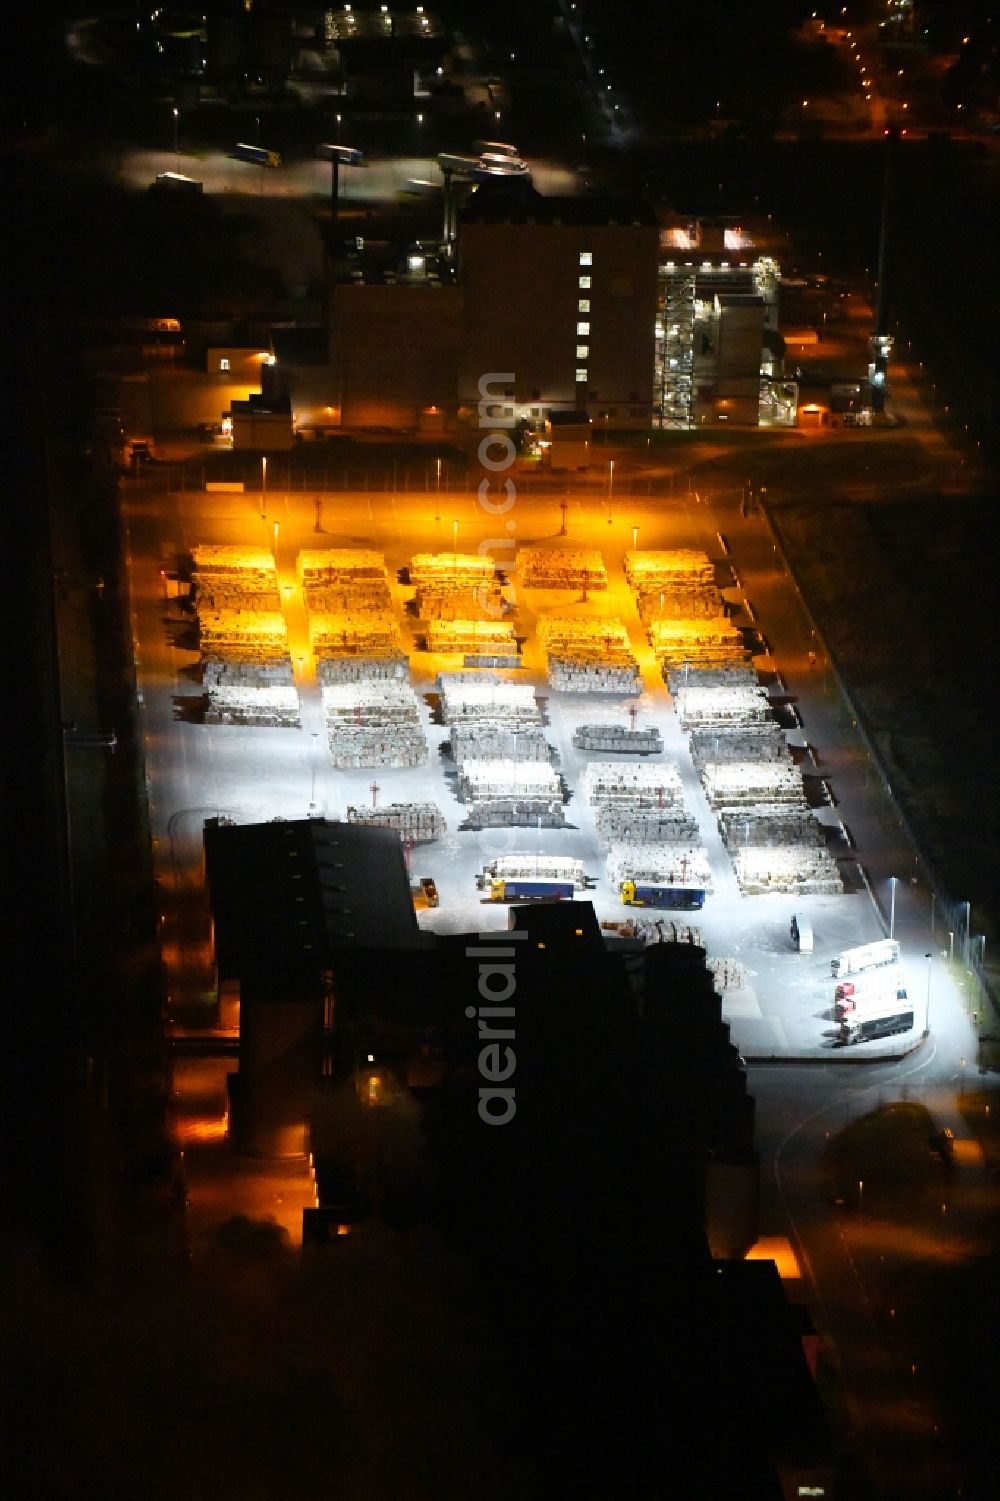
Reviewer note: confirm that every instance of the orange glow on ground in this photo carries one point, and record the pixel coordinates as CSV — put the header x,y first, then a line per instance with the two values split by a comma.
x,y
778,1249
205,1128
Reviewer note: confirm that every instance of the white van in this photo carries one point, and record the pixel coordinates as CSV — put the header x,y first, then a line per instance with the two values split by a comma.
x,y
801,933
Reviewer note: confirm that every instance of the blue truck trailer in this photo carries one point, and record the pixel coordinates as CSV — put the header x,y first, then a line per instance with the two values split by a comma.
x,y
673,898
524,888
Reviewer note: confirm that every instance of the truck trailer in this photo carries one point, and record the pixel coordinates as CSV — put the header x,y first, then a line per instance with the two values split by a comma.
x,y
673,898
870,984
243,152
524,888
866,956
884,1023
856,1007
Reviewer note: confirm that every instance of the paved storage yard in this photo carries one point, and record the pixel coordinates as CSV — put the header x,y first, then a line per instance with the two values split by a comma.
x,y
778,1002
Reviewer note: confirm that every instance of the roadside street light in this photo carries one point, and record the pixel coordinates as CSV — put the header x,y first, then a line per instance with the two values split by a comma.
x,y
861,1196
312,778
965,931
635,538
927,1008
951,945
263,486
893,882
177,115
454,539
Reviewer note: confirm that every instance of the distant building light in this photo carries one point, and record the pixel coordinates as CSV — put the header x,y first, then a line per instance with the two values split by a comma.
x,y
583,329
581,377
582,351
584,283
586,258
223,363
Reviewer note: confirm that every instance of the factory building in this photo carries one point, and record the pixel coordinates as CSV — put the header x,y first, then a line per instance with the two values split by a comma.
x,y
718,350
559,292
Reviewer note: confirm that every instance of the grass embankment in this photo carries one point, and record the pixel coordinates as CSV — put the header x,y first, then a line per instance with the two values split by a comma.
x,y
899,576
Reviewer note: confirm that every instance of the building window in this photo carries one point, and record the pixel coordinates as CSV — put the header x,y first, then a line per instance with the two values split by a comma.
x,y
584,283
583,306
582,351
583,329
581,377
586,258
223,364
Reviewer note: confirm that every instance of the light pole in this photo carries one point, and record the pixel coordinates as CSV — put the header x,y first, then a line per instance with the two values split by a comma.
x,y
861,1196
951,945
893,882
454,539
263,486
965,931
177,149
611,487
927,1008
312,777
635,538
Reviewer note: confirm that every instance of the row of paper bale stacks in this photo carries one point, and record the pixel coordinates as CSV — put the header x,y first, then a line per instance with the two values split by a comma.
x,y
498,740
758,796
660,865
709,642
456,586
493,638
682,609
471,696
605,738
505,771
458,595
352,631
373,722
673,585
779,847
729,697
273,707
640,817
246,666
560,568
419,822
588,656
654,930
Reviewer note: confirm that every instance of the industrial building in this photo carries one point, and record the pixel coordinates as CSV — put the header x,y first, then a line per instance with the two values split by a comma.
x,y
718,350
561,292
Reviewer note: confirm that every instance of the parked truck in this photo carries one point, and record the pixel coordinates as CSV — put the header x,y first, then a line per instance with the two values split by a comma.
x,y
525,888
674,898
244,152
868,985
897,1017
858,1006
865,956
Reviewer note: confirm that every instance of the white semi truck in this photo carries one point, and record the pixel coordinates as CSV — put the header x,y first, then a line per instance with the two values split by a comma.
x,y
865,956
